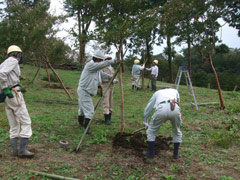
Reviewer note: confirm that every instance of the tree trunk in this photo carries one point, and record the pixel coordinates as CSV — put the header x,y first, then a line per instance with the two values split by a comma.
x,y
144,61
217,81
82,52
189,56
121,88
169,52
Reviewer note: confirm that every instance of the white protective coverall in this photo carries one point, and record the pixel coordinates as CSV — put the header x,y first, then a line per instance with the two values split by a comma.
x,y
160,102
136,73
88,84
18,117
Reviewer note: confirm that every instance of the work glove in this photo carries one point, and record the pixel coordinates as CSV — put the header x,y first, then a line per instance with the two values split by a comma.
x,y
115,81
145,124
8,92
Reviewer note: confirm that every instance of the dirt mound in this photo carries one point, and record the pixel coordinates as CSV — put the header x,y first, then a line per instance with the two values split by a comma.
x,y
138,142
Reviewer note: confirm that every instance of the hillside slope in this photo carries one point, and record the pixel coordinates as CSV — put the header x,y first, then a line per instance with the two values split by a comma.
x,y
210,148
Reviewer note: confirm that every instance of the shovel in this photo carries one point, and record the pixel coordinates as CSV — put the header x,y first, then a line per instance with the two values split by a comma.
x,y
132,133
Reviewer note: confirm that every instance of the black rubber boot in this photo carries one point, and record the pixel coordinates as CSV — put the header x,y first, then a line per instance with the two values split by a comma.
x,y
132,87
15,146
151,149
175,151
23,151
110,116
81,120
86,124
107,119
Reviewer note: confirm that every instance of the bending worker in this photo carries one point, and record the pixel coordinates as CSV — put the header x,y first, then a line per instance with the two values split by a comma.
x,y
88,85
166,105
17,113
108,98
154,74
136,72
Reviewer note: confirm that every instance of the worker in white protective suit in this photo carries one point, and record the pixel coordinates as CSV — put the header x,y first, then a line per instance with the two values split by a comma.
x,y
154,74
107,103
136,73
88,84
166,105
17,113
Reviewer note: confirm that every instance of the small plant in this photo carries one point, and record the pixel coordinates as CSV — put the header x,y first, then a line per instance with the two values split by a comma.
x,y
226,178
168,177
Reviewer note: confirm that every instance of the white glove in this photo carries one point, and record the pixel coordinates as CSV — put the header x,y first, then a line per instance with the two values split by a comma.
x,y
115,81
145,124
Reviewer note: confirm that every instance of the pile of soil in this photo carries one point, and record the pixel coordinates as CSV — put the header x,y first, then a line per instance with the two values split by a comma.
x,y
138,142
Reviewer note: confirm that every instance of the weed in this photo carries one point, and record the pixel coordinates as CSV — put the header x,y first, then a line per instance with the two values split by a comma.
x,y
226,178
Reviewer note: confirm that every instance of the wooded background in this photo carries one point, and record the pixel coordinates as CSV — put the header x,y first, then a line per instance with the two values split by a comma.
x,y
132,26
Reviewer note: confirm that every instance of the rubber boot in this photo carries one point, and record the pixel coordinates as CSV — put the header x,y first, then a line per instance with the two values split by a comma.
x,y
14,145
132,87
86,124
23,151
110,116
81,120
151,149
175,151
107,119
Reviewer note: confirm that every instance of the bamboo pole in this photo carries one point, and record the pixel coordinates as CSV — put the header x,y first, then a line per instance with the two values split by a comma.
x,y
53,176
59,79
95,108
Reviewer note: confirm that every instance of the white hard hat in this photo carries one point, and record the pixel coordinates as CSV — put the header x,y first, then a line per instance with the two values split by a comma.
x,y
155,61
98,54
13,48
136,61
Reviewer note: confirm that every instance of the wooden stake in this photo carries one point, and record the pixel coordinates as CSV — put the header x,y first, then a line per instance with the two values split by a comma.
x,y
49,79
59,79
36,74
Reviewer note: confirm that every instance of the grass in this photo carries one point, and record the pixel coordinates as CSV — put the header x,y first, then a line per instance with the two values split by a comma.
x,y
210,147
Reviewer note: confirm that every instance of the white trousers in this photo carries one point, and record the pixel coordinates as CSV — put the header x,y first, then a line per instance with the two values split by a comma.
x,y
18,117
85,103
136,81
162,114
108,99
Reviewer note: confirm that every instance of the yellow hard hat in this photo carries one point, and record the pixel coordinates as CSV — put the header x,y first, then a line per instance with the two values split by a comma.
x,y
136,61
13,48
155,61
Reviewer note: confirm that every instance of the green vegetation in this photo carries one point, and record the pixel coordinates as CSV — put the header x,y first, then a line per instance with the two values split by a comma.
x,y
210,147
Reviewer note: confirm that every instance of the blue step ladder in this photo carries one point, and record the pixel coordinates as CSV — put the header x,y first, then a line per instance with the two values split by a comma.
x,y
184,70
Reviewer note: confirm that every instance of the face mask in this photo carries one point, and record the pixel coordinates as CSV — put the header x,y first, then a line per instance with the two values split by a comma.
x,y
21,59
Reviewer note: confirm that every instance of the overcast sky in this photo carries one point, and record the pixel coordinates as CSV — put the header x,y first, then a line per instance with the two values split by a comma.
x,y
227,34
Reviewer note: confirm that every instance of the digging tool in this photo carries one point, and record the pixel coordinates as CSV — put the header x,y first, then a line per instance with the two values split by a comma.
x,y
138,130
95,108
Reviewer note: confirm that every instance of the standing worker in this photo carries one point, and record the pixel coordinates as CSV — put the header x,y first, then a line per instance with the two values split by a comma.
x,y
108,98
17,113
88,85
166,105
154,74
136,72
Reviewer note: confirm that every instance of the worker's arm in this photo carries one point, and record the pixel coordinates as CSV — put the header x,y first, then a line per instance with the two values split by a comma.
x,y
141,67
149,108
105,76
148,69
94,67
5,70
